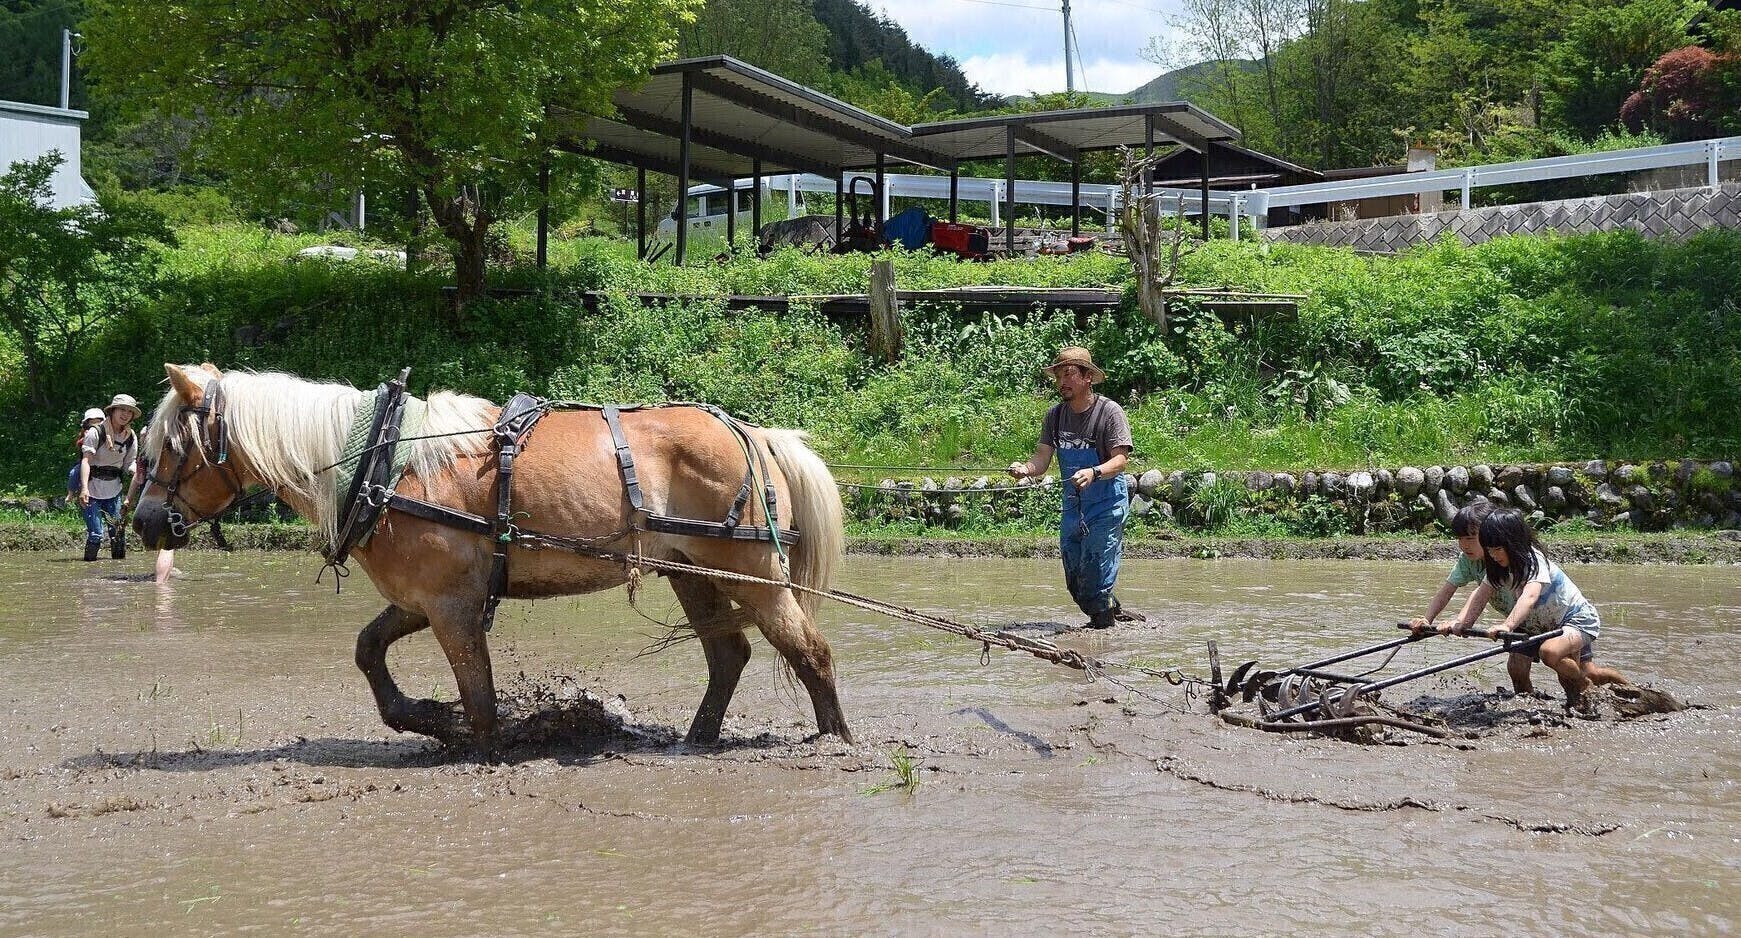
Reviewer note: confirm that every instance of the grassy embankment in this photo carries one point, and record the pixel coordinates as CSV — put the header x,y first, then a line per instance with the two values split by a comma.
x,y
1526,349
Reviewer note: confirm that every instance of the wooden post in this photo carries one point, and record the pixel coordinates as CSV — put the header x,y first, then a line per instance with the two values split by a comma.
x,y
756,204
885,316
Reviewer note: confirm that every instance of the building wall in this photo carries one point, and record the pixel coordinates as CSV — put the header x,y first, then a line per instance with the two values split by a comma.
x,y
29,131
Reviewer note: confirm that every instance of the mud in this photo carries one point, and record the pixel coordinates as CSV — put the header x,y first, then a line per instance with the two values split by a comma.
x,y
204,758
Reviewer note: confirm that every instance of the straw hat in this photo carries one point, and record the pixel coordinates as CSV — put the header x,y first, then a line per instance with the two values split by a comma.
x,y
94,413
1078,356
126,402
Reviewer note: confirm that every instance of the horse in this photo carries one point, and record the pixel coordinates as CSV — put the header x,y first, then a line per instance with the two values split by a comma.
x,y
215,434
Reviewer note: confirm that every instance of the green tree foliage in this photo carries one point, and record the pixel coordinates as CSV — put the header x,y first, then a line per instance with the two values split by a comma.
x,y
457,102
30,32
781,36
857,37
1605,51
65,272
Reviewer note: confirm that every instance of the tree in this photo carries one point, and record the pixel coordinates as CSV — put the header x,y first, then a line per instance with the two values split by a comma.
x,y
781,36
1685,95
1603,57
63,272
457,102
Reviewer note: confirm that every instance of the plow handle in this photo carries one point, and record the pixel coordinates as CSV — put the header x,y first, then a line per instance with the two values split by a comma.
x,y
1503,636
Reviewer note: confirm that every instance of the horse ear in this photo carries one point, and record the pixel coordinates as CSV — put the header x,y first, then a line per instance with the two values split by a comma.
x,y
183,383
212,368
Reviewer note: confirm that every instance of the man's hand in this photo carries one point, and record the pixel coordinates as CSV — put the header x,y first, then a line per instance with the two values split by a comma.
x,y
1018,470
1083,478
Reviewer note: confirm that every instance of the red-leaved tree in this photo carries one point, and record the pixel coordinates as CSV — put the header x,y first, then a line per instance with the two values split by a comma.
x,y
1688,94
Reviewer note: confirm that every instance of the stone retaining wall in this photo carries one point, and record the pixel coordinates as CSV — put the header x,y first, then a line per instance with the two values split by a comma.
x,y
1644,496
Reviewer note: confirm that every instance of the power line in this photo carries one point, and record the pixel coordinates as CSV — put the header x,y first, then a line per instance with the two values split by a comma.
x,y
1138,6
1005,3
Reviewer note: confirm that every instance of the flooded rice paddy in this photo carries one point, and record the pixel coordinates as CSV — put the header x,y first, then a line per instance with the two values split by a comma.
x,y
205,758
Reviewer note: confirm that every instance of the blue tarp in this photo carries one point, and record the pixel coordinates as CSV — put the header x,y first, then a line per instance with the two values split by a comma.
x,y
910,229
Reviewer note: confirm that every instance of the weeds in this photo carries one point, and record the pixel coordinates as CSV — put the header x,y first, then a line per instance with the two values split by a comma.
x,y
906,769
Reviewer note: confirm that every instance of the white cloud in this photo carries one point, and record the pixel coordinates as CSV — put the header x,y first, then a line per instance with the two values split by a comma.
x,y
1014,50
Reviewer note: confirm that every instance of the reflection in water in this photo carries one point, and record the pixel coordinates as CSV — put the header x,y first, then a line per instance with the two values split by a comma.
x,y
206,753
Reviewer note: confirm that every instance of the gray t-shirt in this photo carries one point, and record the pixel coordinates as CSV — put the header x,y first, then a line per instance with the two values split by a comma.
x,y
1103,427
112,460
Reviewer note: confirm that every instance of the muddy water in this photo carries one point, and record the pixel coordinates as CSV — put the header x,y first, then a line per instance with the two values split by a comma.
x,y
205,759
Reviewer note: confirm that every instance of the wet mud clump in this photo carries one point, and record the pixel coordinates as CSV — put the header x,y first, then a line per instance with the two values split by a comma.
x,y
1473,714
551,711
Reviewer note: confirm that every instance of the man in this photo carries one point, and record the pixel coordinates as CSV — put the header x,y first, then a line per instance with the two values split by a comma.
x,y
108,451
1091,436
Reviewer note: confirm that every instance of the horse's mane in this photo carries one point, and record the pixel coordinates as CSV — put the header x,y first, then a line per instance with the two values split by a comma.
x,y
291,429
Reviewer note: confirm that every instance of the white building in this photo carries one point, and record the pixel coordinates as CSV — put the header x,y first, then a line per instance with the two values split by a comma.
x,y
30,131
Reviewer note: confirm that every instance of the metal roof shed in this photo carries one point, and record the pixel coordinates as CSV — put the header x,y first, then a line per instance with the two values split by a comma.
x,y
716,119
1067,134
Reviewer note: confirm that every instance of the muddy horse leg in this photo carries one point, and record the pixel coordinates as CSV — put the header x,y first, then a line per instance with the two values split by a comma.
x,y
459,628
791,632
391,625
720,629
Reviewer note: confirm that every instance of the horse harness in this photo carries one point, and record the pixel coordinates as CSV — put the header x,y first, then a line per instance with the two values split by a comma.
x,y
217,457
373,489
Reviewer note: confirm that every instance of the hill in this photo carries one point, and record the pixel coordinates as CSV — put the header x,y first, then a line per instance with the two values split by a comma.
x,y
1182,84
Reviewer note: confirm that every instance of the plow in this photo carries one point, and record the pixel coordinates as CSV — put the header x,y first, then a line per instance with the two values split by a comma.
x,y
1341,691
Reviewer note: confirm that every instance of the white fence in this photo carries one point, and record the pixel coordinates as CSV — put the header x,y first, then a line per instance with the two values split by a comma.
x,y
1257,203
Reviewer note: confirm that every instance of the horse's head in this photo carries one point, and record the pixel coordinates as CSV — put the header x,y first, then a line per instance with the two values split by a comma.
x,y
187,447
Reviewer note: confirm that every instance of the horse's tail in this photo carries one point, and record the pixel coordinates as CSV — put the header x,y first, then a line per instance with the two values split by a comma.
x,y
815,512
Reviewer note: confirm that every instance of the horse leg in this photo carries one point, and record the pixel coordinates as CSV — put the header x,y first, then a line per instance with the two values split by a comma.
x,y
791,632
460,629
391,625
720,629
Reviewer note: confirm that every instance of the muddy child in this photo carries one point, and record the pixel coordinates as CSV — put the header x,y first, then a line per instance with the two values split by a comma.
x,y
1535,596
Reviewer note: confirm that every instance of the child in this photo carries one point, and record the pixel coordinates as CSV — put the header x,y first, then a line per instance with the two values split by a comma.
x,y
108,451
1466,528
1536,596
93,416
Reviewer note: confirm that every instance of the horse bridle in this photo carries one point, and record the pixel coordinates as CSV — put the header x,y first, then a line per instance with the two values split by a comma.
x,y
212,398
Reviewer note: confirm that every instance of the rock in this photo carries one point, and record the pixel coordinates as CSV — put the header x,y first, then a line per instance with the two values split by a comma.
x,y
283,226
1705,521
1129,482
1560,475
1658,470
1538,520
954,513
1594,517
1333,484
1607,497
1435,479
1554,499
1446,510
35,506
1422,505
1260,481
1207,479
1508,477
928,484
1722,469
1383,482
1496,496
1623,519
1284,483
1149,483
1457,480
1140,505
1409,481
1628,474
1597,470
1732,520
1684,471
983,482
1164,512
1176,486
1480,478
1711,502
1309,484
1360,486
1522,498
1640,497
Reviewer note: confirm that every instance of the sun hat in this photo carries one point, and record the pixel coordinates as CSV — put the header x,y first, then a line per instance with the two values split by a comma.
x,y
126,401
1078,356
94,413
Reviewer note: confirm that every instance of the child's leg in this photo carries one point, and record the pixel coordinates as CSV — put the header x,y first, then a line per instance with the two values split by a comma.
x,y
1561,654
165,565
1517,667
1598,674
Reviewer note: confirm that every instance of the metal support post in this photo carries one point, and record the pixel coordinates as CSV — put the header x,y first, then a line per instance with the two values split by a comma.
x,y
641,213
1076,198
1468,183
882,194
1203,192
688,120
1009,195
756,203
954,193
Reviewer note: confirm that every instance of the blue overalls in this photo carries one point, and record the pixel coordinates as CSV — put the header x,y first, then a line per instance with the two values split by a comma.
x,y
1091,535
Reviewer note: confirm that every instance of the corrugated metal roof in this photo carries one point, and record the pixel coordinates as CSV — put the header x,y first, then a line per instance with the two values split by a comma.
x,y
741,114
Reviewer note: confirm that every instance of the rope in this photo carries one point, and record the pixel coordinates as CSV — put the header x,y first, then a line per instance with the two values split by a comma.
x,y
1037,647
845,465
899,490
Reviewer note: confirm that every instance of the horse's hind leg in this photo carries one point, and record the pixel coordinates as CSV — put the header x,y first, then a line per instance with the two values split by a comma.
x,y
720,629
791,632
391,625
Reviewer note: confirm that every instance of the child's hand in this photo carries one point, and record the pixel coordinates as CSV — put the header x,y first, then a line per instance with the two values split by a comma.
x,y
1455,628
1419,624
1495,632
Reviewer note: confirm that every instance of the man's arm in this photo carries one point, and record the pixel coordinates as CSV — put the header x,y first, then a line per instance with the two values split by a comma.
x,y
1037,464
1106,470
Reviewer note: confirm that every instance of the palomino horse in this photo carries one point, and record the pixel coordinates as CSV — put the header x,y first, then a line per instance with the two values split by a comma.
x,y
215,434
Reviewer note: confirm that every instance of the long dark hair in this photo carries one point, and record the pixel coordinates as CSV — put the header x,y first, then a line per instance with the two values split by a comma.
x,y
1506,528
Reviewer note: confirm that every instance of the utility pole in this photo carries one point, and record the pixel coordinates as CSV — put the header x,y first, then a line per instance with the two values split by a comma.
x,y
1069,72
66,69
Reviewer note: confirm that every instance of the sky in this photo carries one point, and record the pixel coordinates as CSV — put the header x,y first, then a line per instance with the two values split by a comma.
x,y
1017,46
